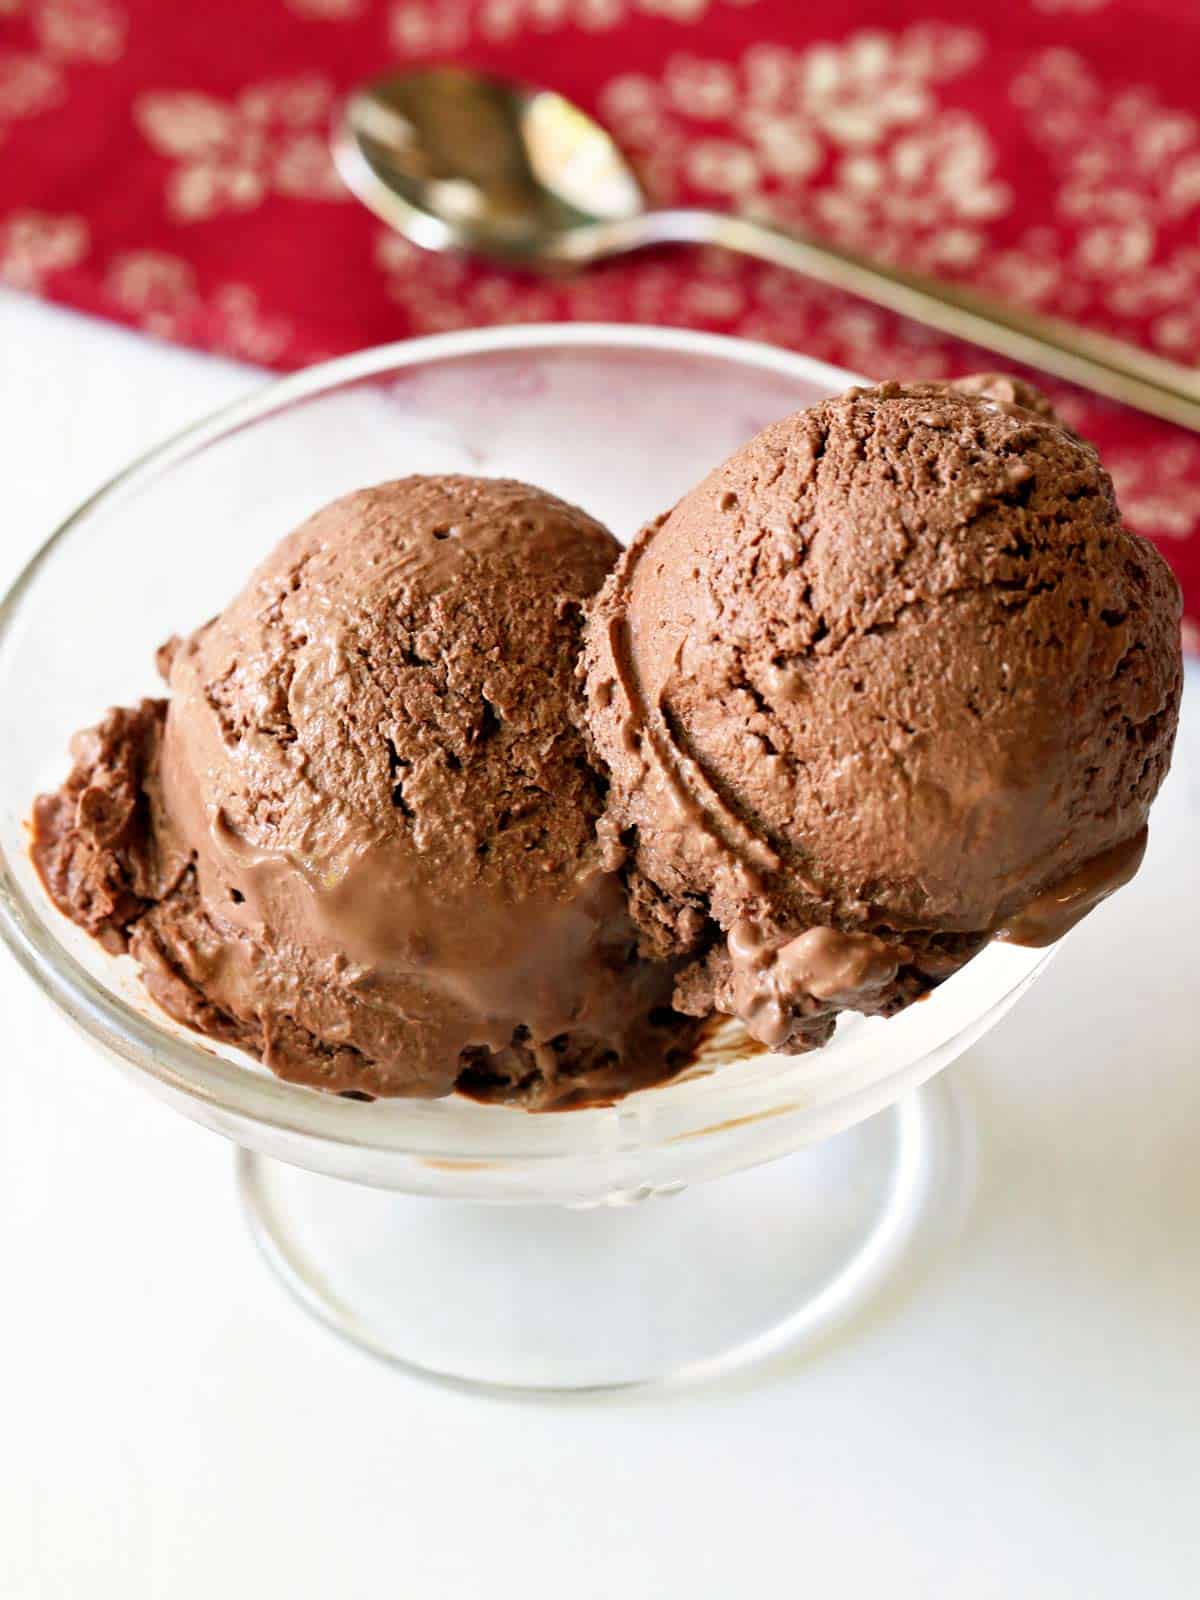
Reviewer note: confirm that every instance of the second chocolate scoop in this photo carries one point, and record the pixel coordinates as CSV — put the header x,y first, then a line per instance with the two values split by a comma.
x,y
882,680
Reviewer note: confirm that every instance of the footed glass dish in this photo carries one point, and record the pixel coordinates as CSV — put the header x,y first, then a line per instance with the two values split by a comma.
x,y
469,1242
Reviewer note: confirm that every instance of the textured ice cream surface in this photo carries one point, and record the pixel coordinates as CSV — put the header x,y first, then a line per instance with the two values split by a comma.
x,y
893,671
358,838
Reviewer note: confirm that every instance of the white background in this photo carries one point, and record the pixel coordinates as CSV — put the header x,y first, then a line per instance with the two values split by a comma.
x,y
1024,1423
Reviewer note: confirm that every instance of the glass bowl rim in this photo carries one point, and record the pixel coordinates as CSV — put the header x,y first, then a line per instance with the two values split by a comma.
x,y
218,1089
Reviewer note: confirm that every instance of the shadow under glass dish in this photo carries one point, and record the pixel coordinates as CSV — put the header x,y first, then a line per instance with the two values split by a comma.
x,y
578,1288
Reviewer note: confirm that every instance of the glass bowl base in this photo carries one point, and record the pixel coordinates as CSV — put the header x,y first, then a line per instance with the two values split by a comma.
x,y
621,1295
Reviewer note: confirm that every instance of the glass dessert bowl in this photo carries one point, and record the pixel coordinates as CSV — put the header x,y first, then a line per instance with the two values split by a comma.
x,y
574,1289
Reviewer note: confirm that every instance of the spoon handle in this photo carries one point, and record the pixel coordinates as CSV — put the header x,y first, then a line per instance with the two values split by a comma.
x,y
1093,360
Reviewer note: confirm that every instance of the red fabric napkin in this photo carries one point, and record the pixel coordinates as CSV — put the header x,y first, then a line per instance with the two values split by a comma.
x,y
167,166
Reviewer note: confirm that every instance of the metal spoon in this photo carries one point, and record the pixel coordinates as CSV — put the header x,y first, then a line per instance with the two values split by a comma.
x,y
456,160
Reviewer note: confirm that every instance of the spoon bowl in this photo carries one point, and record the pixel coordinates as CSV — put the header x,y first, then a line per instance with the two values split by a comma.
x,y
457,160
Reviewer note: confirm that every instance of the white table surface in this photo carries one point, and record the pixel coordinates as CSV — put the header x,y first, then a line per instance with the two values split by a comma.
x,y
1026,1424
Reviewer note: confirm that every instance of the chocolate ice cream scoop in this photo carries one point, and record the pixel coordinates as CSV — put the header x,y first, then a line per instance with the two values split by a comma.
x,y
873,689
359,839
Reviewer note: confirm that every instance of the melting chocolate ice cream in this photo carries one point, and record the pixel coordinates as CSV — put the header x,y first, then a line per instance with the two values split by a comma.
x,y
359,839
892,680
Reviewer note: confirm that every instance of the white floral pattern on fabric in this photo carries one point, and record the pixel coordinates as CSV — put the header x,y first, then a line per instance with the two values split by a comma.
x,y
1125,243
1054,6
326,10
230,155
503,19
428,27
434,27
28,86
790,310
1159,487
849,138
159,292
908,176
33,245
442,293
74,30
65,32
81,30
